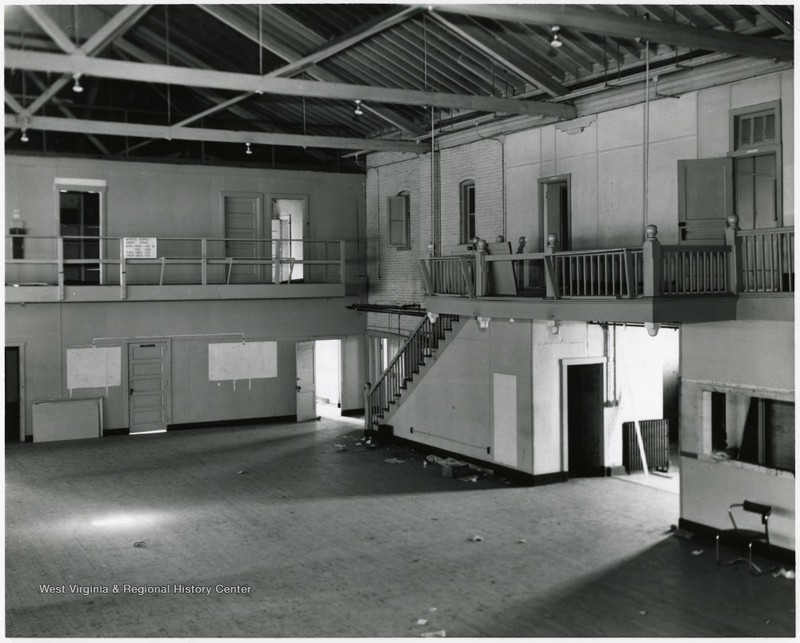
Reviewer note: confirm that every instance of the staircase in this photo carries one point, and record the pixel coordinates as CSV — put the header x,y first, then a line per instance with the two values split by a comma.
x,y
383,397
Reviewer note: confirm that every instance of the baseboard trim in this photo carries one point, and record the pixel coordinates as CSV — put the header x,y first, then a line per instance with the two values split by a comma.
x,y
353,413
112,432
225,423
781,554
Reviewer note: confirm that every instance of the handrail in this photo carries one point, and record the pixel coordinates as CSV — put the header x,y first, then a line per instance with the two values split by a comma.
x,y
410,356
196,260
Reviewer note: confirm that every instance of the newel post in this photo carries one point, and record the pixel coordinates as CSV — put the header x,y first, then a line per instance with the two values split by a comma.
x,y
550,272
651,263
734,242
481,270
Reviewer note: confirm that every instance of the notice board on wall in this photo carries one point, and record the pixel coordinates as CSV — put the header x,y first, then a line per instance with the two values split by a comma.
x,y
94,367
242,361
140,248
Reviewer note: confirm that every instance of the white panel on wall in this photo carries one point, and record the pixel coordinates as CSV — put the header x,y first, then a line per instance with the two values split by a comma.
x,y
672,118
712,128
505,419
94,367
247,361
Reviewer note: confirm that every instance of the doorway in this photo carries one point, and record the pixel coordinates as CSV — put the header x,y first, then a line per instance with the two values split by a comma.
x,y
13,374
149,384
584,408
328,376
554,211
79,224
289,219
306,383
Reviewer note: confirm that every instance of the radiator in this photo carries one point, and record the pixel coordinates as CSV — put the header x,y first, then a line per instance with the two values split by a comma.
x,y
655,439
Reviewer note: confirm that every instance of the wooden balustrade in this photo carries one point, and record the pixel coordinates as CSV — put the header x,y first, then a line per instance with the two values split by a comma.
x,y
766,260
694,270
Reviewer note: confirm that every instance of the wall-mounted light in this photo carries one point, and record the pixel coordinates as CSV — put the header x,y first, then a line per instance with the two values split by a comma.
x,y
652,328
483,322
76,87
552,324
358,111
556,41
248,150
24,138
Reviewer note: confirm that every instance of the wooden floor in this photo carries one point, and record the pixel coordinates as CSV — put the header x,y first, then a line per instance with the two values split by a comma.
x,y
330,540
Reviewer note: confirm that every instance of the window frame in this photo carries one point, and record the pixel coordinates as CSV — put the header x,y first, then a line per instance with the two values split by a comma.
x,y
91,186
760,148
468,228
404,219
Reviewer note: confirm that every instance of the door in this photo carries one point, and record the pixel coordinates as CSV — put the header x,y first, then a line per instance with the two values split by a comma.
x,y
243,236
705,199
585,419
148,379
288,222
13,397
554,201
79,224
306,390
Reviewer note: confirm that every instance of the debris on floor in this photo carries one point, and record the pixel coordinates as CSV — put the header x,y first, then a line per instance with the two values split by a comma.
x,y
432,609
243,471
697,552
422,621
472,478
683,533
453,468
141,543
476,539
642,612
394,461
786,573
437,633
522,541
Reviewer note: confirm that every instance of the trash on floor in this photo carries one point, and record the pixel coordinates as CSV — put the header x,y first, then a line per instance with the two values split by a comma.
x,y
469,478
642,612
522,541
697,552
394,461
786,573
243,471
422,621
439,633
476,539
141,543
432,609
683,533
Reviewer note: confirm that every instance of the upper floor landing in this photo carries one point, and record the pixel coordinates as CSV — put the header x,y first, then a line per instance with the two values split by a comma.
x,y
84,268
751,276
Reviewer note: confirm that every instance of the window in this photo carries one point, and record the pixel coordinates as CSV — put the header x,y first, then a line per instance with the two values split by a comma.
x,y
467,211
751,429
79,219
399,221
756,151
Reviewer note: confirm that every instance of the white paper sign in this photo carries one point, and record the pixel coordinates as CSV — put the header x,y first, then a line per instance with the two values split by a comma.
x,y
242,361
94,367
140,248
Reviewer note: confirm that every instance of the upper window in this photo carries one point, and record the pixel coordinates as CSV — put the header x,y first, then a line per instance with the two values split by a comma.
x,y
467,211
80,224
399,221
757,125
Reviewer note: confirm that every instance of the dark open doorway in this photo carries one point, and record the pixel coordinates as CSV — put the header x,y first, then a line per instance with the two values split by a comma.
x,y
585,419
13,408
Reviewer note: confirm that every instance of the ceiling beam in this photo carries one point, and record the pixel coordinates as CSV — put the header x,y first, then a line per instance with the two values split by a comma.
x,y
123,20
150,73
501,54
774,19
298,62
114,128
50,27
574,17
14,104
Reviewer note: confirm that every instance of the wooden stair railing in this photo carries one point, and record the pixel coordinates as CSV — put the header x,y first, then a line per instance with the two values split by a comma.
x,y
409,359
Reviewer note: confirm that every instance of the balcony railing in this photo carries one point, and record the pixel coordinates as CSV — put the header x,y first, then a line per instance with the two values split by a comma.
x,y
753,261
116,261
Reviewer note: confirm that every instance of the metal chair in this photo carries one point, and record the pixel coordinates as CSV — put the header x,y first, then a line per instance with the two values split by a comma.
x,y
746,537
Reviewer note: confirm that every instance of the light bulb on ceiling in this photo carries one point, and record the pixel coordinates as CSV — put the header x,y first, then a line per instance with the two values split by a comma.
x,y
556,41
24,138
358,111
248,150
77,86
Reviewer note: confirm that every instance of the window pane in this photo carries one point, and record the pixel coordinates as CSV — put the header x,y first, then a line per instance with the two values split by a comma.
x,y
471,199
744,131
769,128
758,129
